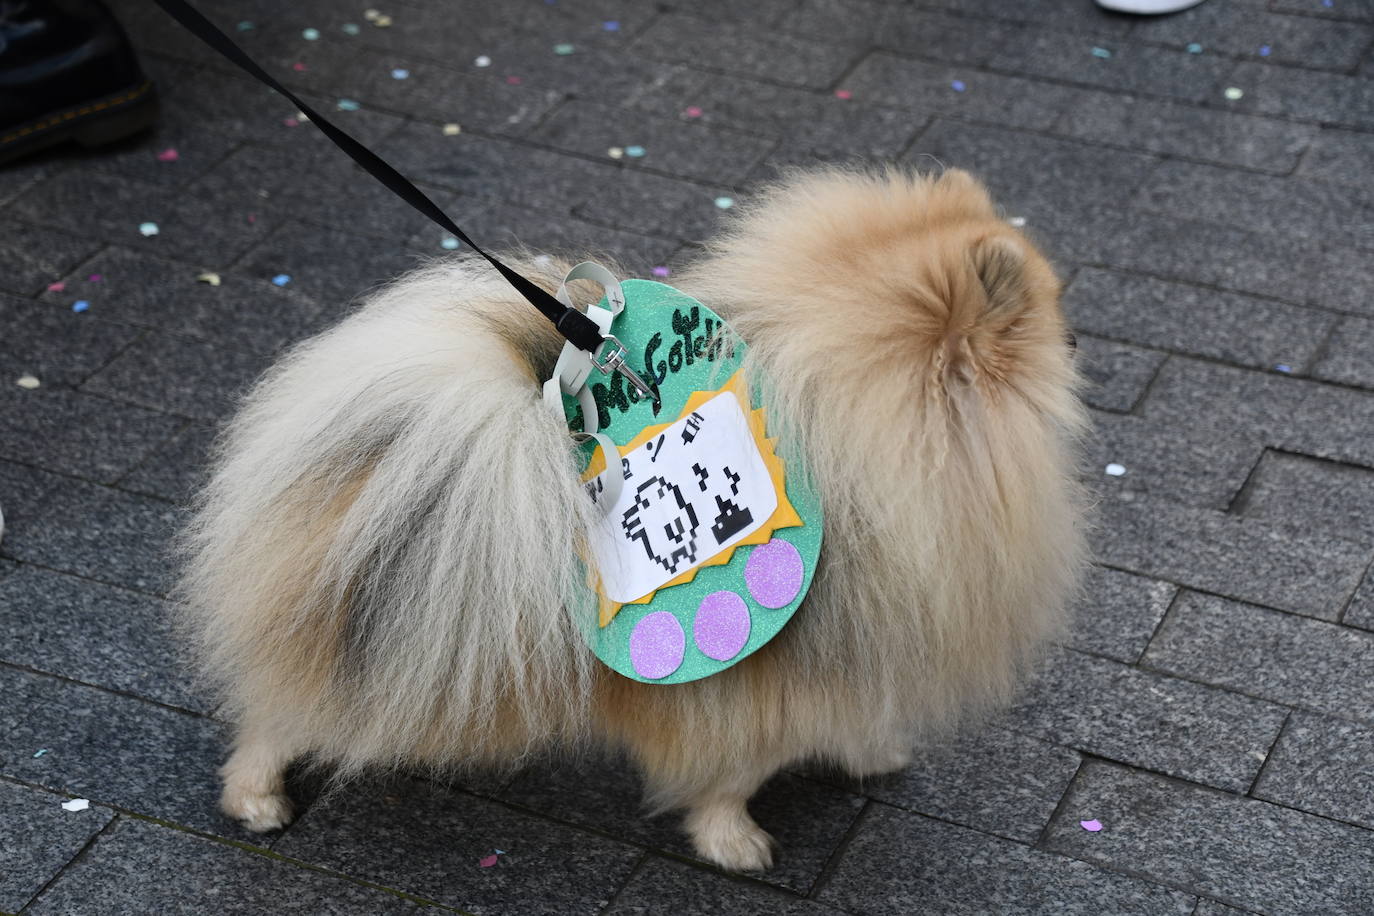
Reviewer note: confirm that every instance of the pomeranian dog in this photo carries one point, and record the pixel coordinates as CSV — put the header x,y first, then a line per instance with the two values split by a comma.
x,y
383,569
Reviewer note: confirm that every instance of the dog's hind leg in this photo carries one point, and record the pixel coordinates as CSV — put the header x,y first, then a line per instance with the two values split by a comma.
x,y
718,820
254,776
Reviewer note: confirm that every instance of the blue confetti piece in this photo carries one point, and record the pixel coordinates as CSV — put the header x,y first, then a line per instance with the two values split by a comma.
x,y
1282,367
1102,53
725,203
41,752
958,86
400,74
611,25
80,305
281,279
348,105
351,28
1195,48
449,243
311,34
246,26
1264,50
634,152
1328,3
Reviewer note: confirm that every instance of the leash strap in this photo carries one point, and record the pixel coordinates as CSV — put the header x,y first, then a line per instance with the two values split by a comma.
x,y
581,331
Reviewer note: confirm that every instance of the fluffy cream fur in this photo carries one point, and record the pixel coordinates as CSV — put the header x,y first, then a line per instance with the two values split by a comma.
x,y
382,570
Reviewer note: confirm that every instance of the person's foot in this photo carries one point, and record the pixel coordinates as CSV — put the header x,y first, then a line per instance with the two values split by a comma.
x,y
67,72
1147,7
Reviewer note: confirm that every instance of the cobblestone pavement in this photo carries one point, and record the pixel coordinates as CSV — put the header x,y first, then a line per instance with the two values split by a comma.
x,y
1203,182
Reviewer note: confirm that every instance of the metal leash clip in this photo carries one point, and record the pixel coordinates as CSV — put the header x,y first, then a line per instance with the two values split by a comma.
x,y
616,362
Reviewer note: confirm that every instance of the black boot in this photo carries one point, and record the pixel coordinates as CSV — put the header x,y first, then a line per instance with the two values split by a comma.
x,y
67,72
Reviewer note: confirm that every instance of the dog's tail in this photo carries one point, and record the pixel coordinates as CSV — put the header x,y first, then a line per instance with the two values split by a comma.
x,y
386,554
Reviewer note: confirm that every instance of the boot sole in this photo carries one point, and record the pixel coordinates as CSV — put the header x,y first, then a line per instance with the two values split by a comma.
x,y
92,123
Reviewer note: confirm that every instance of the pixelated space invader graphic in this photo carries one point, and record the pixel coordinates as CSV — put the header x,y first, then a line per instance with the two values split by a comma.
x,y
672,544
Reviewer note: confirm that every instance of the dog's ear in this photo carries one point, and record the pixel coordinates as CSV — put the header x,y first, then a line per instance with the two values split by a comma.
x,y
1000,263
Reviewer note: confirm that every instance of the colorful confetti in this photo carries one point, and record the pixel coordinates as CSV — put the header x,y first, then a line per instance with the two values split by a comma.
x,y
843,94
513,80
488,861
1091,826
1102,53
1283,367
1233,93
298,67
209,277
371,14
382,21
482,61
611,25
563,49
348,105
95,278
56,287
245,26
692,111
635,152
449,243
350,28
1264,50
661,271
40,752
311,34
400,73
168,155
1194,48
1114,470
958,86
76,804
615,152
291,122
452,130
27,381
281,279
148,229
725,203
80,305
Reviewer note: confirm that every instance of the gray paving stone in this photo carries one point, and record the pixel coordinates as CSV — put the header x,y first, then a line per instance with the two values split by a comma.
x,y
1238,850
992,780
961,871
1309,418
1179,462
927,88
1303,95
1349,354
915,33
328,266
104,534
1321,765
1340,156
1041,14
35,257
1277,656
76,433
1349,10
1118,613
1029,172
781,58
181,375
137,867
22,489
1145,719
661,887
1134,68
1248,559
93,633
177,469
115,750
683,149
1118,373
801,119
247,312
1331,498
1188,319
55,344
1212,908
1243,29
1293,207
1360,612
808,819
1186,131
426,840
38,839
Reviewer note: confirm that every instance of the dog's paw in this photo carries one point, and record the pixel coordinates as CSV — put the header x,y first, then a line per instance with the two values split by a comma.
x,y
726,835
259,812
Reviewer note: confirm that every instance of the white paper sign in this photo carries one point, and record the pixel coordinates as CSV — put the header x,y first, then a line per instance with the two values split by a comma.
x,y
690,492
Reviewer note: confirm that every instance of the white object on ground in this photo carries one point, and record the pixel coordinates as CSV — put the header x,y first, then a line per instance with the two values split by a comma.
x,y
1147,7
76,804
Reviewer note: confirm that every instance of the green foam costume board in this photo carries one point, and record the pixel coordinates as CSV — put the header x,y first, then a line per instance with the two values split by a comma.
x,y
667,335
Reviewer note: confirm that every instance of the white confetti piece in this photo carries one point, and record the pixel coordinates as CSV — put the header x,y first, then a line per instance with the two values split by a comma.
x,y
1115,470
208,277
452,130
27,381
1017,221
148,229
76,804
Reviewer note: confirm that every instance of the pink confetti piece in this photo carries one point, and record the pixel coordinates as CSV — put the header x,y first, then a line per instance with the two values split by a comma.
x,y
513,80
95,278
487,861
168,155
56,287
1091,826
843,94
661,271
252,218
291,122
692,111
298,67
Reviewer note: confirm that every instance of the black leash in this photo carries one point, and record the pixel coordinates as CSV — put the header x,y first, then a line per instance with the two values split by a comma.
x,y
576,327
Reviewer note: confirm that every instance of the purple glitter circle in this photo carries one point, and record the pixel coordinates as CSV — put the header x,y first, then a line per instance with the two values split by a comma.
x,y
657,645
721,627
774,573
